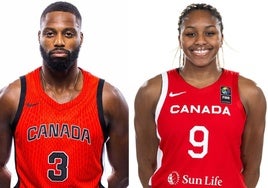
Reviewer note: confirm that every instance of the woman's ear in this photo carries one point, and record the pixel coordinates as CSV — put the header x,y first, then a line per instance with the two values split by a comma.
x,y
222,38
179,39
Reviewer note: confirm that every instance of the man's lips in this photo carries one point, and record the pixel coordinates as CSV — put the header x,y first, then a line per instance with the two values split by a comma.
x,y
59,53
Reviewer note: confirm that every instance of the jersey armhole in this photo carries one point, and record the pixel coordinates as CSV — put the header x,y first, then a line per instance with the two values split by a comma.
x,y
164,90
21,103
100,109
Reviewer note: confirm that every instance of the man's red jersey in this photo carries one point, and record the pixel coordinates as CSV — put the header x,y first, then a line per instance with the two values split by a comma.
x,y
59,145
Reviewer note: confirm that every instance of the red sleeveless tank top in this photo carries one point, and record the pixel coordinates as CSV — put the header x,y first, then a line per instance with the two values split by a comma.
x,y
59,145
200,133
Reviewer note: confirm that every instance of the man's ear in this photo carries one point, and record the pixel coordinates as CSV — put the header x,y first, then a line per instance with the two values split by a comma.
x,y
39,35
81,37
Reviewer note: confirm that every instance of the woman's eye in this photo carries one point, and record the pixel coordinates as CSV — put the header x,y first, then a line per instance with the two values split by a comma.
x,y
190,34
210,33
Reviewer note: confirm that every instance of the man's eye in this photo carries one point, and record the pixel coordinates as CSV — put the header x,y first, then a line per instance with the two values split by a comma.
x,y
49,34
69,34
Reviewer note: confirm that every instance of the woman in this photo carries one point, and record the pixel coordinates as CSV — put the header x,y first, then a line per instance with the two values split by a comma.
x,y
199,125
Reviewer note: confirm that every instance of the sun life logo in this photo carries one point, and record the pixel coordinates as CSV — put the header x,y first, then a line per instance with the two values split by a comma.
x,y
173,178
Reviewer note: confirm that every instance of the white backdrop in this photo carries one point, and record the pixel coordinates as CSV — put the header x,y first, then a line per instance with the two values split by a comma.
x,y
128,41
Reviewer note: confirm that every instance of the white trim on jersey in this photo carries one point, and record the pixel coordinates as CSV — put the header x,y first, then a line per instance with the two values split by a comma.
x,y
162,95
159,106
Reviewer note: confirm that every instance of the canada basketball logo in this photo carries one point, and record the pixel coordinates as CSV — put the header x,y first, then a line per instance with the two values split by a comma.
x,y
173,178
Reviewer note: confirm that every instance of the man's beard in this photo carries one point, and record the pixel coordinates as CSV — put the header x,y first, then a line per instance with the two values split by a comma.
x,y
60,63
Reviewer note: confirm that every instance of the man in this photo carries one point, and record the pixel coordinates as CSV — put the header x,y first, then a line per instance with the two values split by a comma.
x,y
61,116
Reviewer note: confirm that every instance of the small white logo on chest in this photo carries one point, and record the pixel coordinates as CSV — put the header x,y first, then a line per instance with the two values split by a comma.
x,y
171,94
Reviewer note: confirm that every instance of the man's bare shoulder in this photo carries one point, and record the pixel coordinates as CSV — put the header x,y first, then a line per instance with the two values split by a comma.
x,y
10,93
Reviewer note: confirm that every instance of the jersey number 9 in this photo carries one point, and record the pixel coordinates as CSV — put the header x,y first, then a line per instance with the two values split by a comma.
x,y
197,142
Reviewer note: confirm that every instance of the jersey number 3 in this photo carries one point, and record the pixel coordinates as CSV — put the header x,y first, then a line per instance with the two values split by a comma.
x,y
198,143
60,160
